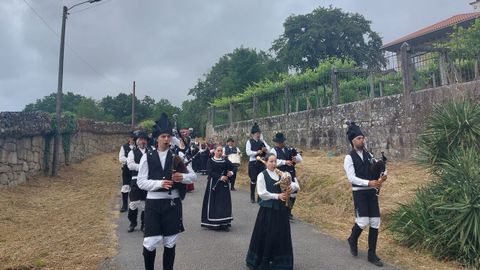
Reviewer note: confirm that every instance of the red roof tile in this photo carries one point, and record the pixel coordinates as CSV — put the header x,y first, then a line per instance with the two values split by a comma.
x,y
435,27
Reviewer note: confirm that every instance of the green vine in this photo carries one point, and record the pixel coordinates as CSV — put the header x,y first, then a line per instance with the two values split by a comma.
x,y
69,126
46,152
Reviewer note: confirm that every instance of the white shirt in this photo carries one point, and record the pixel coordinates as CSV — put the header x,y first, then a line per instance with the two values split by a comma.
x,y
121,155
253,154
281,162
155,184
350,171
262,189
132,166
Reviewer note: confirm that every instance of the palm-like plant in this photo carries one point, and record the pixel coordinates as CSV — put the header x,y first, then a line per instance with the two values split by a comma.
x,y
444,217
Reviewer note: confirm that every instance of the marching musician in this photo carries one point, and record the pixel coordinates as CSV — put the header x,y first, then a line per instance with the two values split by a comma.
x,y
357,166
287,158
231,149
137,196
271,242
164,175
255,146
126,175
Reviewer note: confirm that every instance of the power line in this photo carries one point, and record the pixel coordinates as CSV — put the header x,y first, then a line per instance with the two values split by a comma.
x,y
92,6
68,45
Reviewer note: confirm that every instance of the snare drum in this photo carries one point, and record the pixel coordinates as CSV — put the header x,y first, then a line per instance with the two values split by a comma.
x,y
234,158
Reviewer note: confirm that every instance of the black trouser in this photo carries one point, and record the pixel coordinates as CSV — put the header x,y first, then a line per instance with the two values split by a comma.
x,y
254,168
232,178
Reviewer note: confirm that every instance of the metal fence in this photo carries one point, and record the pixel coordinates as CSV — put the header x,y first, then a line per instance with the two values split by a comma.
x,y
426,68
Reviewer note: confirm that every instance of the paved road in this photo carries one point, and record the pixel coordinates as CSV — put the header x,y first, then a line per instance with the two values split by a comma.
x,y
199,248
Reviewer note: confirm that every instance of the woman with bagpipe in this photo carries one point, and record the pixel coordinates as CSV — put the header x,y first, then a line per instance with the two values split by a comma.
x,y
217,203
271,242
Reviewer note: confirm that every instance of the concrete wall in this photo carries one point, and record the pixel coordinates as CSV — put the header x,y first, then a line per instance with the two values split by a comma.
x,y
391,123
23,138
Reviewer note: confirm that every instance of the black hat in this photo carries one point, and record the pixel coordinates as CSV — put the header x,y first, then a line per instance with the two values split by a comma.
x,y
255,128
279,138
353,131
162,126
131,134
230,140
141,135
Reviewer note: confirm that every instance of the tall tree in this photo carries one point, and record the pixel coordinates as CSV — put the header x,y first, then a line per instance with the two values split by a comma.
x,y
327,32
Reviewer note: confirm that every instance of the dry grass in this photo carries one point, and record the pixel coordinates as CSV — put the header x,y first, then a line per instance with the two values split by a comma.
x,y
63,222
325,200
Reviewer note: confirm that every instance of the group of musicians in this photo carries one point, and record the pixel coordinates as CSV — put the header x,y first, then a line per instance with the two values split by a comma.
x,y
156,178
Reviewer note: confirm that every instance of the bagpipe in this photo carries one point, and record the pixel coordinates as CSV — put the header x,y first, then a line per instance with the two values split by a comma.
x,y
378,167
284,182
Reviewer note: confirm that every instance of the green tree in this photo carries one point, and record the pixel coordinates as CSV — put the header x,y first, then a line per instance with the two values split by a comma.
x,y
70,101
464,42
327,32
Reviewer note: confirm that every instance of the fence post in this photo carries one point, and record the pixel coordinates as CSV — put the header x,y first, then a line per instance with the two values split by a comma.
x,y
434,80
317,97
255,105
268,107
443,66
309,106
372,85
477,71
406,73
287,100
230,113
297,103
382,86
334,86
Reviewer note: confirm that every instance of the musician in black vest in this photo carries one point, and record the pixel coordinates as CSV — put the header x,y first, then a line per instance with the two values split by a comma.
x,y
287,158
229,149
357,166
137,195
164,175
255,146
126,175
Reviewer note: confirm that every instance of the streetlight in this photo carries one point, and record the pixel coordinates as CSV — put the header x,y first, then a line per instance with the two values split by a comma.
x,y
56,141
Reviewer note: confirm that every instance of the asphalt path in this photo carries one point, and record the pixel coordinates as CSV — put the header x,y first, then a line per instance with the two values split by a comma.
x,y
199,248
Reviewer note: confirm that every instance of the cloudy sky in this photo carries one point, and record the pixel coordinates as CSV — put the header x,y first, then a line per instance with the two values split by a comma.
x,y
165,46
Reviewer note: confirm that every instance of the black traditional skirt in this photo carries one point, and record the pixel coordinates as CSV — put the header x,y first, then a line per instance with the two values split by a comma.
x,y
271,242
217,205
163,217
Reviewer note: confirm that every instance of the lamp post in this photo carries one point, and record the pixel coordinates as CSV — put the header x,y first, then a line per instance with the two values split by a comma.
x,y
56,140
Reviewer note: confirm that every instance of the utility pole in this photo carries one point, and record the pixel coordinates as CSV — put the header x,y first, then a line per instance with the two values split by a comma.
x,y
133,106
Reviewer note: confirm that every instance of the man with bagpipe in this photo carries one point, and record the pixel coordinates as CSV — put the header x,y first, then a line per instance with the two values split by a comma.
x,y
255,147
287,158
137,196
164,175
366,179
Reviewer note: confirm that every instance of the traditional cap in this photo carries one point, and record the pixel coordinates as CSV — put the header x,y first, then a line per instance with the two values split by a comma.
x,y
162,126
255,128
353,131
279,138
230,140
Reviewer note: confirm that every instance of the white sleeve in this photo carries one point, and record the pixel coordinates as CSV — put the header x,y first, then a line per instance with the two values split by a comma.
x,y
248,149
350,171
295,185
298,158
238,151
142,181
132,166
266,145
223,149
262,189
190,177
121,156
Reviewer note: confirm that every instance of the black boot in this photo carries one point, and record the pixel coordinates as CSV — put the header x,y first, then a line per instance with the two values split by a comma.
x,y
149,258
168,258
142,219
252,192
372,247
353,239
124,202
132,216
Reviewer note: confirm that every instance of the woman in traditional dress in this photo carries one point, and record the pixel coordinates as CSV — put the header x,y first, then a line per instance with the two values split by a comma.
x,y
217,203
271,242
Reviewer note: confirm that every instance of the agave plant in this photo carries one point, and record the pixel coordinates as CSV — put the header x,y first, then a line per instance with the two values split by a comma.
x,y
444,217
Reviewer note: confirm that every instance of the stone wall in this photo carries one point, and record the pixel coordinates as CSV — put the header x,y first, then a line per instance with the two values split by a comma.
x,y
23,137
391,123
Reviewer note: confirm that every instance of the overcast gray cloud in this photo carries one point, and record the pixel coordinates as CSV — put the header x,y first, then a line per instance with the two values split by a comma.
x,y
165,46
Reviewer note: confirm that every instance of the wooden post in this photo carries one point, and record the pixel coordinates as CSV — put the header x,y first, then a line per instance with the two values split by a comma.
x,y
230,113
297,103
443,66
477,71
133,106
406,73
255,106
287,100
334,86
382,86
372,85
309,106
268,107
317,98
434,80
